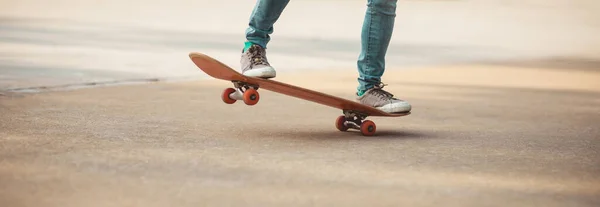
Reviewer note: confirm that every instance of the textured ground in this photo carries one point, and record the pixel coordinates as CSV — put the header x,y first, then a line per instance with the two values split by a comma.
x,y
472,140
505,97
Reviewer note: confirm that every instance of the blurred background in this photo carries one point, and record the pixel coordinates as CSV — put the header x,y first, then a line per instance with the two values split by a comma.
x,y
64,42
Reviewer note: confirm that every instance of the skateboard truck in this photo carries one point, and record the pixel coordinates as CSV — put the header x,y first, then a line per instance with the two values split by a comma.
x,y
242,91
246,86
355,120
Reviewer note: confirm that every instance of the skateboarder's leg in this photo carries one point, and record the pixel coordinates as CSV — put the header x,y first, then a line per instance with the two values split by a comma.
x,y
376,33
264,15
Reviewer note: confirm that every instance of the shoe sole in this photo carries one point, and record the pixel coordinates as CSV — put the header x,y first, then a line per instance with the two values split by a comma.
x,y
398,108
266,72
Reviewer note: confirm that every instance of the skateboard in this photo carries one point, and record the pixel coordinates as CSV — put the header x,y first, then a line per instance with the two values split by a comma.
x,y
246,88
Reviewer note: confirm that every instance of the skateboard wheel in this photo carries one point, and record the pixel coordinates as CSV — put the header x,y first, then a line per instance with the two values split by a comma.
x,y
368,128
251,97
340,123
225,96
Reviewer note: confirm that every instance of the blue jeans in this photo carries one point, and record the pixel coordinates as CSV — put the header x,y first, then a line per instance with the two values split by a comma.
x,y
375,36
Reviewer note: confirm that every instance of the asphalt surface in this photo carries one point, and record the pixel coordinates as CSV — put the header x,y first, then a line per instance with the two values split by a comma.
x,y
526,143
100,106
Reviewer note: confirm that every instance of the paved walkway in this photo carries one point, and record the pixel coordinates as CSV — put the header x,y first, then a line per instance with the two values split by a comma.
x,y
478,136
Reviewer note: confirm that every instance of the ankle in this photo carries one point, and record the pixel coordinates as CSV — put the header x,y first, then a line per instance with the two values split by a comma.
x,y
360,92
247,46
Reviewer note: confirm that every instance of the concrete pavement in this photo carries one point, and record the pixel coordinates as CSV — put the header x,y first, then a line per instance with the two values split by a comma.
x,y
474,139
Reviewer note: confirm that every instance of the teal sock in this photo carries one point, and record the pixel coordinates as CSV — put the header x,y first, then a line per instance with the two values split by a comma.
x,y
360,93
247,45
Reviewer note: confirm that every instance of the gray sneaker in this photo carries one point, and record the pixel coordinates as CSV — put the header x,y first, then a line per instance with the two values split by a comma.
x,y
255,64
383,100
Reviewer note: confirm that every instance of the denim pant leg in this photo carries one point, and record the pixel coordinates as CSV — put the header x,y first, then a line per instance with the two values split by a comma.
x,y
264,15
375,37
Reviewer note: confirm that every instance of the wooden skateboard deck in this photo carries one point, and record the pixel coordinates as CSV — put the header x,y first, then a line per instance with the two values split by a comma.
x,y
354,112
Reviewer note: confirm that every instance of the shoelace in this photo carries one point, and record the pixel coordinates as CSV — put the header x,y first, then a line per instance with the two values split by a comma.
x,y
381,93
257,57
